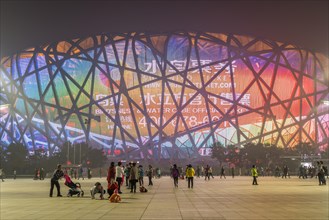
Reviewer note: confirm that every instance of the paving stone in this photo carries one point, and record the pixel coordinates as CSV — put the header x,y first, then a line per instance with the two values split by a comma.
x,y
219,199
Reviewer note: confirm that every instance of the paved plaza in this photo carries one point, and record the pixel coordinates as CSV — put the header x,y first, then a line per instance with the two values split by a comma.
x,y
273,198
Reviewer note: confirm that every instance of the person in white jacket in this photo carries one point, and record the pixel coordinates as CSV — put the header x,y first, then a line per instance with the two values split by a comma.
x,y
119,172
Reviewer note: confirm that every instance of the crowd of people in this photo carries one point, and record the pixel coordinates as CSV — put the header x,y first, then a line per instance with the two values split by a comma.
x,y
117,175
206,171
319,171
131,174
305,172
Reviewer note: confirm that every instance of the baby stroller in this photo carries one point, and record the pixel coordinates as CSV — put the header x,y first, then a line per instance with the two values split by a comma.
x,y
75,188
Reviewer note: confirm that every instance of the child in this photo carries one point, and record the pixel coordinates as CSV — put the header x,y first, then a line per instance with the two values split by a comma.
x,y
140,175
113,192
115,198
112,188
97,188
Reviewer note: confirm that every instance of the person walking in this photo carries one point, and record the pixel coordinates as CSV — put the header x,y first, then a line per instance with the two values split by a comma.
x,y
141,175
119,172
75,173
14,174
210,173
133,178
254,174
42,174
1,175
232,172
89,173
71,173
206,172
36,172
285,172
277,172
158,173
58,173
190,175
198,171
80,173
127,174
175,175
321,174
222,172
150,175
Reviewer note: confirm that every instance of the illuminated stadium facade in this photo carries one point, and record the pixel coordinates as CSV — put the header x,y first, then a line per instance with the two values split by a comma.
x,y
166,95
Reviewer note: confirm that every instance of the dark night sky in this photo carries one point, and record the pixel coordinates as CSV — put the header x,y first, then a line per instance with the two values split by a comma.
x,y
28,23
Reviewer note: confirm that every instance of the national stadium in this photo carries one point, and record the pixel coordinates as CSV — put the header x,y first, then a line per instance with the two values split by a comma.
x,y
164,95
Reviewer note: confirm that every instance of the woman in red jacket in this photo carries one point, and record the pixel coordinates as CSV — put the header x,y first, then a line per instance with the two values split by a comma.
x,y
111,174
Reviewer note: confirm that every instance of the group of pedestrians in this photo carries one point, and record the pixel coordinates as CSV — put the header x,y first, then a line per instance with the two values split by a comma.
x,y
131,174
189,175
207,171
115,178
313,171
77,173
39,174
134,174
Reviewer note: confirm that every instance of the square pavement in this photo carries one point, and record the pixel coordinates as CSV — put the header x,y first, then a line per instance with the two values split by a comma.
x,y
273,198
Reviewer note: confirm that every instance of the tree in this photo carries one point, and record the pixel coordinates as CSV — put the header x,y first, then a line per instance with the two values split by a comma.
x,y
95,157
73,153
273,155
218,152
39,158
305,148
257,154
233,155
17,157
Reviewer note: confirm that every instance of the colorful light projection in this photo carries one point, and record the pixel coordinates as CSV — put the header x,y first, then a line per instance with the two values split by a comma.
x,y
167,95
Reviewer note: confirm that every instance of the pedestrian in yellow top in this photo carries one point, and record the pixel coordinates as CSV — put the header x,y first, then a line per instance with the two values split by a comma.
x,y
190,174
254,174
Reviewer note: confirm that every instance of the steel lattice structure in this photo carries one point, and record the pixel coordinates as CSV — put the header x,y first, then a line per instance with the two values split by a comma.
x,y
165,95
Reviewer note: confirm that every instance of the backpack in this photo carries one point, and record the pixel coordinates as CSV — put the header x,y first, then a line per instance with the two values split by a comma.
x,y
142,189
